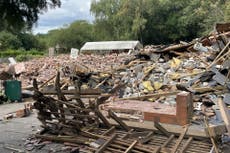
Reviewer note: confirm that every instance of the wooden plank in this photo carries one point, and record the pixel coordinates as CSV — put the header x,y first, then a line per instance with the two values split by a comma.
x,y
136,147
179,140
157,150
106,144
109,131
127,134
219,55
118,120
151,95
72,92
102,117
77,94
168,141
60,96
129,149
113,150
148,125
186,145
42,85
212,140
147,138
216,130
225,114
161,128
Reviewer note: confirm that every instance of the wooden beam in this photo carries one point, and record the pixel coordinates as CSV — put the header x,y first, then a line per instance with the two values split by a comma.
x,y
179,140
128,150
118,120
168,141
157,150
102,117
127,134
147,138
225,114
42,85
186,145
161,128
216,130
109,131
212,140
61,139
72,92
106,144
218,56
151,95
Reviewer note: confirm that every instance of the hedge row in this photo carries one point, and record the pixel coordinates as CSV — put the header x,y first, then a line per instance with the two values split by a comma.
x,y
20,54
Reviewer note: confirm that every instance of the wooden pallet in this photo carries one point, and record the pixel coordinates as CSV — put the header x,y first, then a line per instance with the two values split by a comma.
x,y
132,141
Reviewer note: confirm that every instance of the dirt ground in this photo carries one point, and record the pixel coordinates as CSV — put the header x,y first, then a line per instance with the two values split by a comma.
x,y
15,132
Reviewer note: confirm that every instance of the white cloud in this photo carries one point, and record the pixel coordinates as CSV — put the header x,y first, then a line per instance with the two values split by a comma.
x,y
69,11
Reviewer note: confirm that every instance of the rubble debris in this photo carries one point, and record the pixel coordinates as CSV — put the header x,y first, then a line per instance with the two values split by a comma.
x,y
77,117
90,89
225,114
26,111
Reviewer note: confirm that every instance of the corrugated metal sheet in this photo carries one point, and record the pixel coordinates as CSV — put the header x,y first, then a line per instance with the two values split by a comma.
x,y
111,45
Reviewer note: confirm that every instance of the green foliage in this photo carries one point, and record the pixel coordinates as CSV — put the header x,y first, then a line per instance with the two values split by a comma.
x,y
16,15
73,36
157,21
118,19
27,41
226,11
30,41
9,40
14,53
150,21
26,57
21,54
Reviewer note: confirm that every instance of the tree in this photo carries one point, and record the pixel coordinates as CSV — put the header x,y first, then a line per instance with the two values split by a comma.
x,y
72,36
8,40
18,14
157,21
118,19
29,41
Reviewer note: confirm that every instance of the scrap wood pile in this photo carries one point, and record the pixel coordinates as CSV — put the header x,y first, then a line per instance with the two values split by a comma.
x,y
79,125
155,74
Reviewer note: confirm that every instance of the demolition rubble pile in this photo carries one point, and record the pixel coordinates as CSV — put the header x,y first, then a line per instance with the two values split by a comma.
x,y
155,74
44,68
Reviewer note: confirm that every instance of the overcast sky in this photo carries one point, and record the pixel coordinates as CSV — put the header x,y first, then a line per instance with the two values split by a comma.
x,y
69,11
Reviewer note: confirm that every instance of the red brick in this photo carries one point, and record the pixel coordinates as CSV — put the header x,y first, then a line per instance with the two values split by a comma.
x,y
184,108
